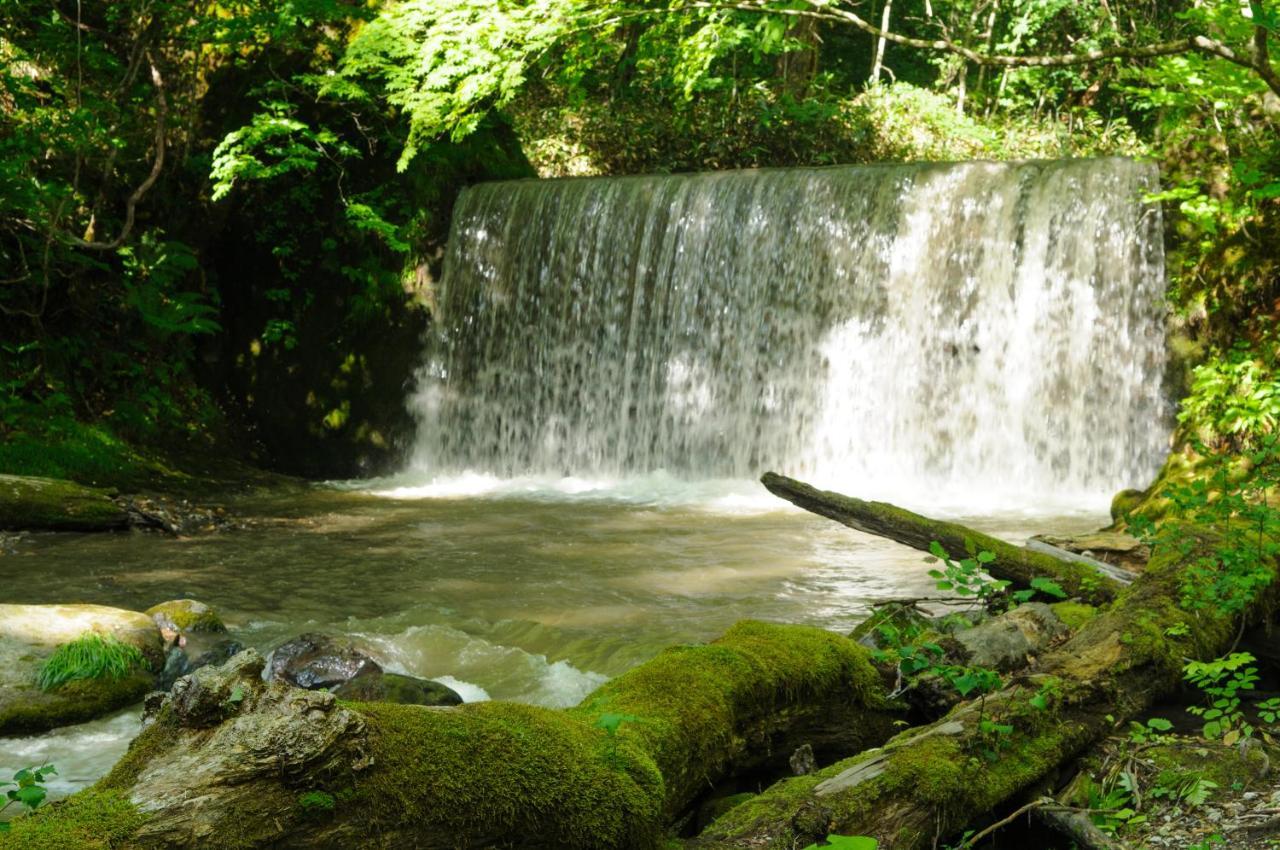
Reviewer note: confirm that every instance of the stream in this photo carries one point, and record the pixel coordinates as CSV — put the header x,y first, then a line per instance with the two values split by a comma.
x,y
517,591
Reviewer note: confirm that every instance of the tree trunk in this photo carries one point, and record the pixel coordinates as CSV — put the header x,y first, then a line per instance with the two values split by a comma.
x,y
232,761
1013,563
928,783
880,42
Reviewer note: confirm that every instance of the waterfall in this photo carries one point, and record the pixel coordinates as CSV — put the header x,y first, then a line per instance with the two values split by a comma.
x,y
988,328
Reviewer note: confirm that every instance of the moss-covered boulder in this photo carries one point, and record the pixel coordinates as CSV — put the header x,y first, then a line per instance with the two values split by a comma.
x,y
393,687
31,634
181,616
50,504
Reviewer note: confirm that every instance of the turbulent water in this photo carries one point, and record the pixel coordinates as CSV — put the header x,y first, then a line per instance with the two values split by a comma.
x,y
993,330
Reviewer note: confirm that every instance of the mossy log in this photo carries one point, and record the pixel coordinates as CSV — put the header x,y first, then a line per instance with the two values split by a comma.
x,y
1012,563
929,783
50,504
233,761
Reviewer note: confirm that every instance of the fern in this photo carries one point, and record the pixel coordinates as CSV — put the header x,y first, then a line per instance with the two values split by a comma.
x,y
90,656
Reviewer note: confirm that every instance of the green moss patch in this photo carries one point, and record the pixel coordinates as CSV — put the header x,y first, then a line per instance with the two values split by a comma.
x,y
690,702
90,820
48,504
500,771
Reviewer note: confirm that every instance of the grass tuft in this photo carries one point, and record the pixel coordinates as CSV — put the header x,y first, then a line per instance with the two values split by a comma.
x,y
90,656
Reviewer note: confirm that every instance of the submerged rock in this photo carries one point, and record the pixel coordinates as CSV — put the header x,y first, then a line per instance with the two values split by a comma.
x,y
51,504
393,687
29,635
314,660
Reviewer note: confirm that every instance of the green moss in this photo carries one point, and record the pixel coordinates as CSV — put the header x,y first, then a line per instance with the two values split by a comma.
x,y
31,710
691,701
54,505
186,615
1074,614
162,734
1224,766
90,820
1124,503
498,770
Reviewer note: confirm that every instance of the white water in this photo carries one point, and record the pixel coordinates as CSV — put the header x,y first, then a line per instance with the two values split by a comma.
x,y
976,336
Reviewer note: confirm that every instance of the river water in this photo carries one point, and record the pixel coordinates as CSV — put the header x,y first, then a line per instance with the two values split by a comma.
x,y
510,592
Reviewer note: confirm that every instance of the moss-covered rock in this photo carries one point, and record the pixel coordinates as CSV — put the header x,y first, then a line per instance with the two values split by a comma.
x,y
29,634
1074,614
50,504
181,616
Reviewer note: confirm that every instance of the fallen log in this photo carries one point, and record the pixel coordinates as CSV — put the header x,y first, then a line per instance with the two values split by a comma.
x,y
1012,563
929,783
233,761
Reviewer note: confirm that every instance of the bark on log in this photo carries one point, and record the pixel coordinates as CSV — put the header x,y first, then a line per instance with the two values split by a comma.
x,y
1013,563
232,761
929,783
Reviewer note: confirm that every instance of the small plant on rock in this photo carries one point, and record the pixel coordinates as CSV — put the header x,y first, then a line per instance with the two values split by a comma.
x,y
90,656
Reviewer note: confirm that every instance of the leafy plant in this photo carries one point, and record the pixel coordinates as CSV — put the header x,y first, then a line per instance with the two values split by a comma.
x,y
90,656
611,723
316,802
965,576
26,789
846,842
1221,681
1151,732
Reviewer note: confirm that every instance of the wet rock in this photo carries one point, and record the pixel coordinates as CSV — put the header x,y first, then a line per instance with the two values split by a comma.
x,y
393,687
29,634
51,504
176,516
316,660
802,761
184,616
195,651
1004,643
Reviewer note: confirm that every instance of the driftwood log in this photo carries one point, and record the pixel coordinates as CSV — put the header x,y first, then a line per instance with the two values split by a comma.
x,y
1093,582
232,761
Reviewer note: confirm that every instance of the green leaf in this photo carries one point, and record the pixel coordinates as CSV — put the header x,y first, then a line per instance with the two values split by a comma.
x,y
1049,587
847,842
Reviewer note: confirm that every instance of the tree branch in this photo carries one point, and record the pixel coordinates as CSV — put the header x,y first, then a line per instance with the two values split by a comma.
x,y
1258,62
131,205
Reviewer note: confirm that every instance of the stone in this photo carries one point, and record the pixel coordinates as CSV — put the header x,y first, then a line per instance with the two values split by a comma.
x,y
316,660
51,504
195,651
393,687
29,634
183,616
1003,643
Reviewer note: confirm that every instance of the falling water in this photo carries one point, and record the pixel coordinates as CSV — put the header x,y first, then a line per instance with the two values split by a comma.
x,y
994,329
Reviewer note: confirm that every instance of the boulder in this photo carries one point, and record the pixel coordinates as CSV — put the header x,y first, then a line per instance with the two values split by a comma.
x,y
29,634
183,616
393,687
51,504
1003,643
315,661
